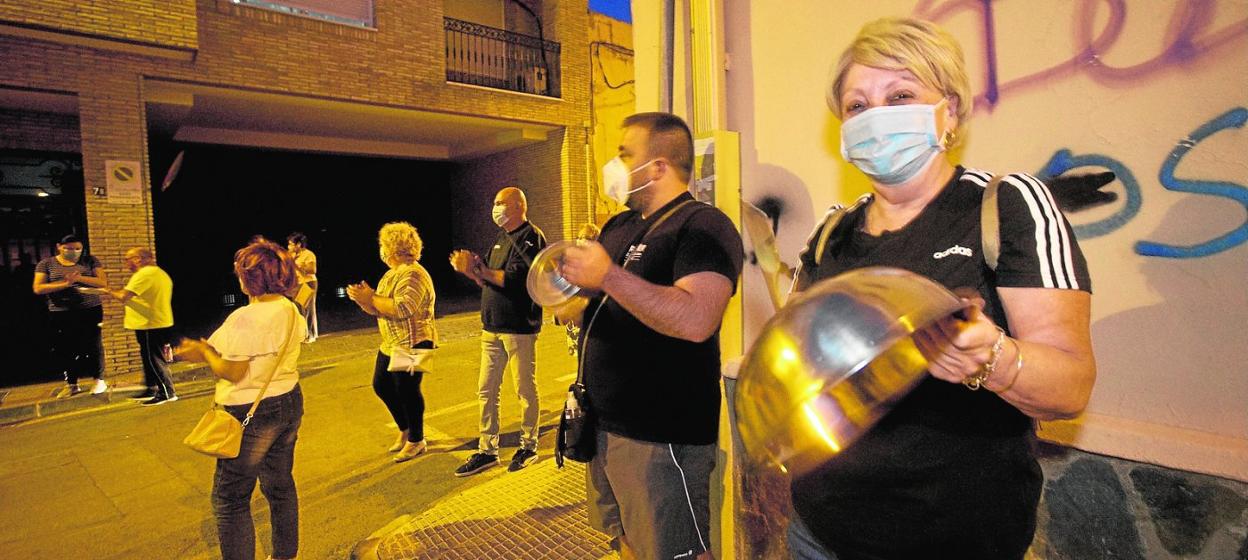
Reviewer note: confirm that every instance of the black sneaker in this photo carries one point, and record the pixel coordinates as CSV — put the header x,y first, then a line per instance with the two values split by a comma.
x,y
477,463
157,400
145,395
521,459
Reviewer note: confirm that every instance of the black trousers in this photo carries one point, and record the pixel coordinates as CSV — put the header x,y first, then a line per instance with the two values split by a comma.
x,y
400,391
155,369
76,350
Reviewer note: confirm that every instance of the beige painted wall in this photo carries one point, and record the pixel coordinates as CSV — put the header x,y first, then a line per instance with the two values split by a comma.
x,y
612,100
1170,333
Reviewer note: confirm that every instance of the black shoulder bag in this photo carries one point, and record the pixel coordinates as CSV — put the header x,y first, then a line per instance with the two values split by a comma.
x,y
578,430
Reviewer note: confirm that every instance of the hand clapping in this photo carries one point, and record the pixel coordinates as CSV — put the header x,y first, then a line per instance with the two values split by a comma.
x,y
360,293
191,350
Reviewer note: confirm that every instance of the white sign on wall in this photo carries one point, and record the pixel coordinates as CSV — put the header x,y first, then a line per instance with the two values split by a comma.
x,y
123,181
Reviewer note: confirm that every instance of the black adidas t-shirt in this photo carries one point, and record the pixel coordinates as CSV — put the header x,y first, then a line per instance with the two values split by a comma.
x,y
644,385
509,309
949,473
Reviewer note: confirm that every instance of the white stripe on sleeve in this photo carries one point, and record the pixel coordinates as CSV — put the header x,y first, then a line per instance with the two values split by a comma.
x,y
1052,242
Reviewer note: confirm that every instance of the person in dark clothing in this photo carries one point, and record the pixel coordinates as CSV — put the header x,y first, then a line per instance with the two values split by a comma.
x,y
510,322
660,277
75,316
949,472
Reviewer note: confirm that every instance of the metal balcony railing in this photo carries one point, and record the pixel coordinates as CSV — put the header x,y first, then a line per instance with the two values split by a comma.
x,y
497,58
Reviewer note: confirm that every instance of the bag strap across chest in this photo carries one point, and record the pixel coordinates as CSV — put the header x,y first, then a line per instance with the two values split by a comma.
x,y
580,369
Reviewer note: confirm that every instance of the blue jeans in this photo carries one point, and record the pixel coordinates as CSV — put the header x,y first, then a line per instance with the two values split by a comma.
x,y
267,454
802,544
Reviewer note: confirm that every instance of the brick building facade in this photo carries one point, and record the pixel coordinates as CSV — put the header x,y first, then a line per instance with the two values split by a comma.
x,y
117,61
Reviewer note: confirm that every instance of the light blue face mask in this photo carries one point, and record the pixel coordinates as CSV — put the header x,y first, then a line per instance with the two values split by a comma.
x,y
893,144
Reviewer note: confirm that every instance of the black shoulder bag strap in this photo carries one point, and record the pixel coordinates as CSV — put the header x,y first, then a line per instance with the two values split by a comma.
x,y
580,367
577,389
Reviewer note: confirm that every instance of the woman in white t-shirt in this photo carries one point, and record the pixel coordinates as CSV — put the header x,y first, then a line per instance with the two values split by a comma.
x,y
259,341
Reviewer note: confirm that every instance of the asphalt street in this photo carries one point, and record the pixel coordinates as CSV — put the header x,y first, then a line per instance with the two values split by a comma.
x,y
116,482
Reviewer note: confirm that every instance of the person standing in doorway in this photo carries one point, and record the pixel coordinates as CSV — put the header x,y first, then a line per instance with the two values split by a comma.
x,y
74,316
147,300
510,322
305,266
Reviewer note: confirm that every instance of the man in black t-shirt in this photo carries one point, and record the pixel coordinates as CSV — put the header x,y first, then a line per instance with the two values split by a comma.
x,y
510,323
663,273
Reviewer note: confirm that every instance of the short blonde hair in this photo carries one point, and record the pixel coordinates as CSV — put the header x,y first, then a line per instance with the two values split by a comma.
x,y
400,239
897,43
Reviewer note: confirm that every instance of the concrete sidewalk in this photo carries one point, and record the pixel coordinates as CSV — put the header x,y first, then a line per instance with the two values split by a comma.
x,y
42,400
534,514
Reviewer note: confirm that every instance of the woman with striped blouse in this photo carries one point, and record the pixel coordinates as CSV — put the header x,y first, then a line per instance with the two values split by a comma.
x,y
403,305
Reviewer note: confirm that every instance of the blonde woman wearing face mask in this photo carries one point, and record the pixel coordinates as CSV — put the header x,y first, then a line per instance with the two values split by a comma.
x,y
949,473
403,305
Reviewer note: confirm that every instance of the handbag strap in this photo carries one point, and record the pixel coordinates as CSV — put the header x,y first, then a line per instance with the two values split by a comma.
x,y
580,366
273,373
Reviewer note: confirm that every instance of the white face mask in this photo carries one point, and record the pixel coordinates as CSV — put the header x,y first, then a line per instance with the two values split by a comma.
x,y
499,215
893,144
615,176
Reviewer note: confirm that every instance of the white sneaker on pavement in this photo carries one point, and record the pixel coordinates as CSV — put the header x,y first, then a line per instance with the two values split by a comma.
x,y
100,387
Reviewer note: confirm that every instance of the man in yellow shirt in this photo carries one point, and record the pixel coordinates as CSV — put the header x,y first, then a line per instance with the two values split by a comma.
x,y
147,299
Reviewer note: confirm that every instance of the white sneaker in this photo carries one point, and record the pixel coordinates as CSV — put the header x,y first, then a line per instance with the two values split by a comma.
x,y
100,387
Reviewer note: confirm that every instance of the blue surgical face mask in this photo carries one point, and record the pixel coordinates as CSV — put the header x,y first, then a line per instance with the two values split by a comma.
x,y
893,144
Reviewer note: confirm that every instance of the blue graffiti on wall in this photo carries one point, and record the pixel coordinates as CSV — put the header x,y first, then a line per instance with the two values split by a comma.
x,y
1235,118
1063,160
1190,36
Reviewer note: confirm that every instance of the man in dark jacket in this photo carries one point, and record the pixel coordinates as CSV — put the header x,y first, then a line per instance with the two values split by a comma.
x,y
511,322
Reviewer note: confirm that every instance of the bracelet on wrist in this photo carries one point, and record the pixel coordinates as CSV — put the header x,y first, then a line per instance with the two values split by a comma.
x,y
1018,369
974,382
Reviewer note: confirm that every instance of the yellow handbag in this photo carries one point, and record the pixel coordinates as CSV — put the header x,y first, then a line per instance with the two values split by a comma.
x,y
217,434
